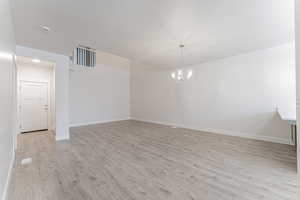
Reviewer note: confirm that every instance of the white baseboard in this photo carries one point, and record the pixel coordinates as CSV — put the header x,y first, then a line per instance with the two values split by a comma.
x,y
61,138
247,135
224,132
11,164
97,122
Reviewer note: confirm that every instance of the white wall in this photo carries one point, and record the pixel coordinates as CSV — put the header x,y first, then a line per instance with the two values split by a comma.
x,y
40,73
100,94
7,65
236,95
52,99
61,86
297,38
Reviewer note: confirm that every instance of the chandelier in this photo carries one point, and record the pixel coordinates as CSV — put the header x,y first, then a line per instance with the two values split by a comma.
x,y
181,74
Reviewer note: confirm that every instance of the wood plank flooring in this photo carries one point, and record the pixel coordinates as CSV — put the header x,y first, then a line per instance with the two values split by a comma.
x,y
132,160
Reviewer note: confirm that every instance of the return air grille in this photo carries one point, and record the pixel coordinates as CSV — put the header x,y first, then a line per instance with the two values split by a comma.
x,y
84,56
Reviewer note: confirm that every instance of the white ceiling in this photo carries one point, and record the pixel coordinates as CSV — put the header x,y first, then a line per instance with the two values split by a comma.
x,y
150,31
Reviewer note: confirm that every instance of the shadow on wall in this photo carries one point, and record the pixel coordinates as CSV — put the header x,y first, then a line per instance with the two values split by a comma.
x,y
266,124
275,125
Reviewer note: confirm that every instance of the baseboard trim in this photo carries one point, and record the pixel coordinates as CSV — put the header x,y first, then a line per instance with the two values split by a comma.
x,y
6,187
61,138
249,136
223,132
97,122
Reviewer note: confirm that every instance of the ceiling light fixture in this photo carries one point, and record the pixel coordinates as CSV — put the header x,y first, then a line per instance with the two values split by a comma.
x,y
45,28
35,60
182,74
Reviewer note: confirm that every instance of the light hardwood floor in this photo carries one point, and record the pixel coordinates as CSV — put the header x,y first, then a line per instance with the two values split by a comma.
x,y
135,160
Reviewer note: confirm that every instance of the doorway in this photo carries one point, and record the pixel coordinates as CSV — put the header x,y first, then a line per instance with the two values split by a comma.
x,y
33,103
36,95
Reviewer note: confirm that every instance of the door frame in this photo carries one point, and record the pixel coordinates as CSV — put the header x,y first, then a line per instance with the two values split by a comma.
x,y
20,82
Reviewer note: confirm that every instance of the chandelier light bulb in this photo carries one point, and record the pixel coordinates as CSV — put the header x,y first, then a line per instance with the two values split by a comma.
x,y
173,75
190,74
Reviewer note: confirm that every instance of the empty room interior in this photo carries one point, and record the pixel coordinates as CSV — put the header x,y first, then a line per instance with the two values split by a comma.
x,y
149,100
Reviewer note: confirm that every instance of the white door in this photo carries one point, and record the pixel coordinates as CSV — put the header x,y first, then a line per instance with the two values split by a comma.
x,y
33,106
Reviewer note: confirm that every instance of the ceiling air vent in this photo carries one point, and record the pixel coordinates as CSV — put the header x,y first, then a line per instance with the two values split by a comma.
x,y
84,57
